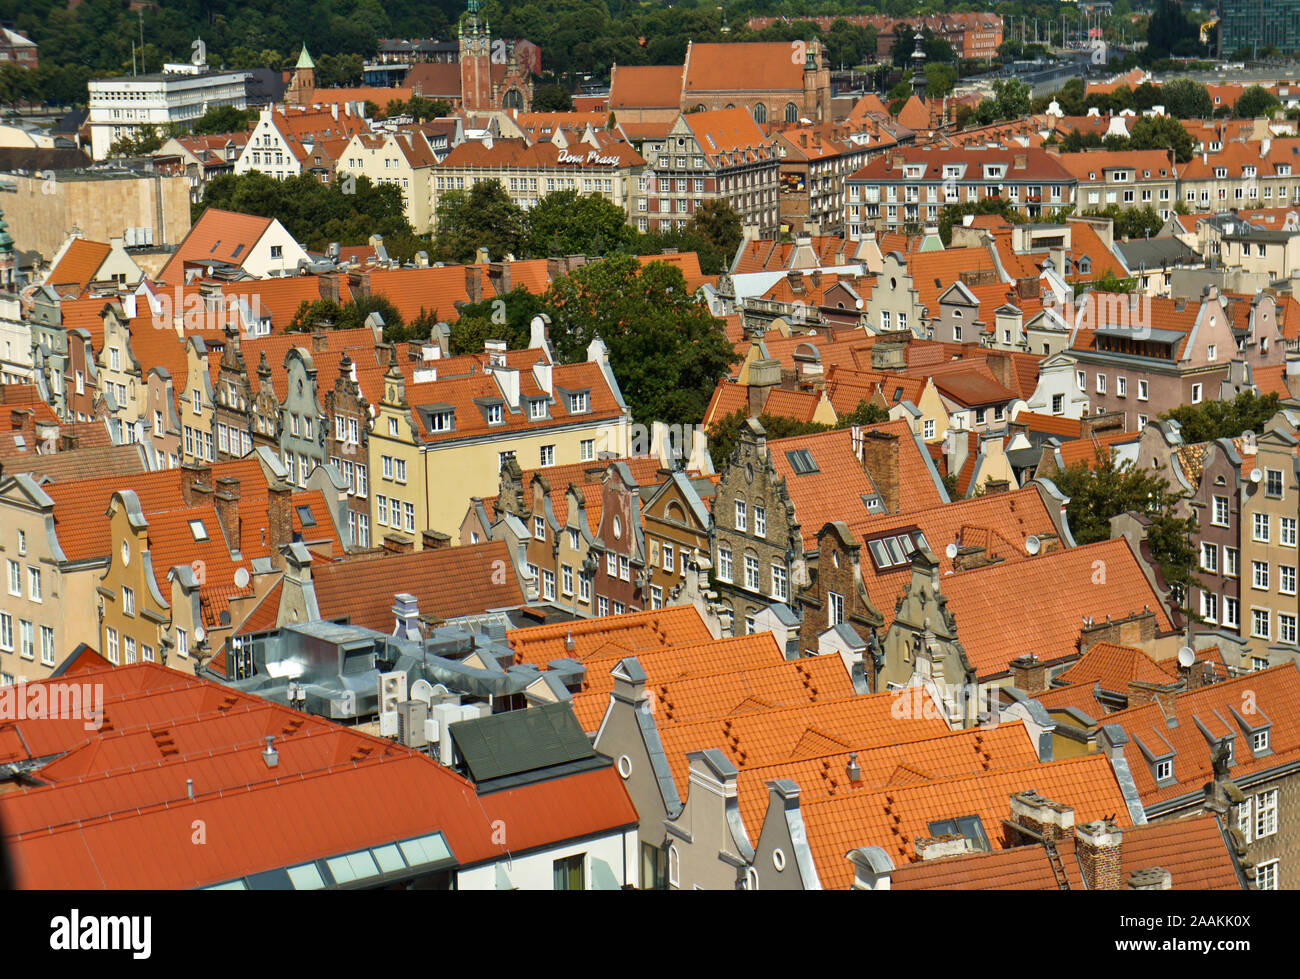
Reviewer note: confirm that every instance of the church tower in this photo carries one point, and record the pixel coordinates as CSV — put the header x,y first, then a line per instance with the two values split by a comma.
x,y
475,61
302,83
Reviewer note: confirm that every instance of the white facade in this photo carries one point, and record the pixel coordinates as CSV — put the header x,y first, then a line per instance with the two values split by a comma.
x,y
123,106
609,862
15,343
267,150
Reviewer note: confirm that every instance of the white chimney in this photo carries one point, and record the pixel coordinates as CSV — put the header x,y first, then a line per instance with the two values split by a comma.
x,y
542,375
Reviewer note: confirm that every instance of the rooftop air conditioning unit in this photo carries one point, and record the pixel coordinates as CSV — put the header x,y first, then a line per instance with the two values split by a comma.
x,y
411,718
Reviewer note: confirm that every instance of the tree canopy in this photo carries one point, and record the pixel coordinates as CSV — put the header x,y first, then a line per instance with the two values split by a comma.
x,y
666,349
1209,420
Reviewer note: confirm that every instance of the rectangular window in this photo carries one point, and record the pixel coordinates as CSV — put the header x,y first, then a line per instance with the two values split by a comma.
x,y
780,583
27,636
1101,383
760,521
611,564
34,584
656,596
587,450
668,557
15,579
1266,876
408,510
381,509
741,516
1209,607
751,572
1210,557
1231,612
566,579
1286,533
834,609
1196,394
1260,523
548,586
399,470
724,563
584,588
1265,813
1231,562
624,568
1259,624
128,601
1259,575
6,631
1142,390
1220,515
1286,579
1286,627
602,605
112,646
47,646
548,455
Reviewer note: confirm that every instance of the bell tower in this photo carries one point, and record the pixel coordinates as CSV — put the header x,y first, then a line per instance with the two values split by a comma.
x,y
475,60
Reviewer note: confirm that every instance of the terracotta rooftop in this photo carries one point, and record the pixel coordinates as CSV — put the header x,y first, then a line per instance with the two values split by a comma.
x,y
77,268
631,631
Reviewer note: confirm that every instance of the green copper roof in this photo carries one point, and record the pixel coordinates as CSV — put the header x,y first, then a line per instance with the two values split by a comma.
x,y
6,239
304,59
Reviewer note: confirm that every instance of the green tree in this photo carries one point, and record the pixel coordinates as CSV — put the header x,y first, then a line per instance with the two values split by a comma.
x,y
1185,98
1106,490
507,318
718,224
352,315
666,349
940,80
483,216
1162,133
1256,102
146,141
567,223
552,98
1210,420
953,214
224,119
725,432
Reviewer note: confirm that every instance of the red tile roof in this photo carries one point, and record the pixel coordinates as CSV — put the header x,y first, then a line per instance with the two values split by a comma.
x,y
77,268
217,236
645,86
446,582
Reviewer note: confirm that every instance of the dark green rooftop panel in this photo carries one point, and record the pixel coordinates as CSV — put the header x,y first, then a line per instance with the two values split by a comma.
x,y
519,741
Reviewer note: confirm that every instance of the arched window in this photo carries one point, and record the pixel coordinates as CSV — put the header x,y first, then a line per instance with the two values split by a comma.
x,y
699,107
791,112
760,113
674,866
512,99
730,105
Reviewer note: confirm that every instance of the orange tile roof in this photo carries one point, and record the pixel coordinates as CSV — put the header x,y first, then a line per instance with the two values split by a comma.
x,y
1113,666
217,236
111,813
446,582
999,522
631,631
645,86
968,382
77,267
1193,849
835,490
924,751
724,133
933,272
1066,428
1096,580
1086,451
1272,695
430,290
894,818
757,66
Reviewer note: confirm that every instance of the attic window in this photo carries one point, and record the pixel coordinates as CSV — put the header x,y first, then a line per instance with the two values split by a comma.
x,y
215,246
306,517
238,248
895,550
802,462
970,827
199,531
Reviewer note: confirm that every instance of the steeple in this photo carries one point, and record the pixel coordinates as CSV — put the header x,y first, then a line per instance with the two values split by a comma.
x,y
919,80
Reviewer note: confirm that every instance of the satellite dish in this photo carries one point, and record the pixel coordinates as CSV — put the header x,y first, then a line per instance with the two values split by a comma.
x,y
422,690
951,550
1032,544
199,634
1186,656
241,577
1256,475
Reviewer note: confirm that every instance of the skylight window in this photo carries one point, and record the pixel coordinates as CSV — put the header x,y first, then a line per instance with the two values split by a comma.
x,y
970,827
895,550
199,531
802,462
307,518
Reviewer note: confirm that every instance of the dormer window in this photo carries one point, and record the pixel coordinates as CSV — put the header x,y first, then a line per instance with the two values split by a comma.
x,y
536,410
579,403
1259,742
441,421
1164,770
1221,172
495,414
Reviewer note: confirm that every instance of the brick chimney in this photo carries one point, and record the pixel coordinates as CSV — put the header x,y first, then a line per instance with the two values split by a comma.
x,y
319,339
880,459
1029,673
764,375
1151,879
947,845
1098,848
279,520
1143,692
227,504
1040,818
193,474
474,283
433,540
499,275
398,544
1132,630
